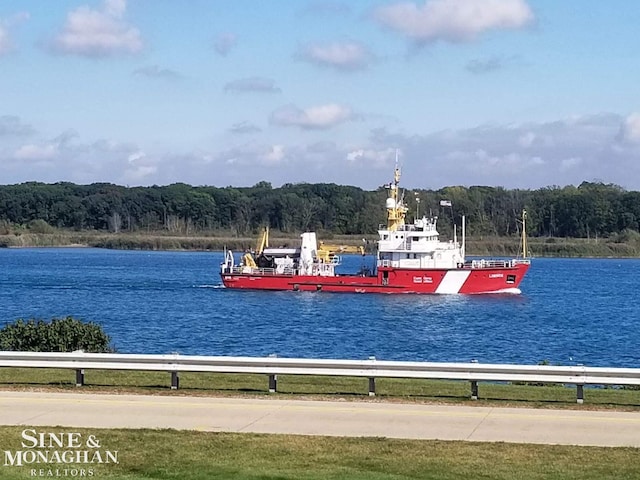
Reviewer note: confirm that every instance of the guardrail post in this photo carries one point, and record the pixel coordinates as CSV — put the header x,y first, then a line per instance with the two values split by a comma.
x,y
273,378
175,380
474,383
474,389
372,381
79,377
273,383
580,393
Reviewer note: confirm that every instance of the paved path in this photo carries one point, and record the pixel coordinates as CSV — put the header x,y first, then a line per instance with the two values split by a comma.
x,y
342,418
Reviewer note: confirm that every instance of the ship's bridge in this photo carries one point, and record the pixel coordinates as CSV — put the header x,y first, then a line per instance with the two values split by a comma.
x,y
417,245
421,236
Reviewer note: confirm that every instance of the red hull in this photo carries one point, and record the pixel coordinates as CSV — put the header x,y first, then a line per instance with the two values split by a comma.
x,y
391,280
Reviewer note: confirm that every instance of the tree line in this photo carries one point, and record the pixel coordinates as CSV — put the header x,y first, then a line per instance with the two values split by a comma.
x,y
588,210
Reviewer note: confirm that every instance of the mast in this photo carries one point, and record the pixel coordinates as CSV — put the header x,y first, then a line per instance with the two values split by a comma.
x,y
524,233
396,209
464,238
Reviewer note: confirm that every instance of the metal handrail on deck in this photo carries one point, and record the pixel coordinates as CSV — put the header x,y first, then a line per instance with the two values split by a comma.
x,y
257,271
495,263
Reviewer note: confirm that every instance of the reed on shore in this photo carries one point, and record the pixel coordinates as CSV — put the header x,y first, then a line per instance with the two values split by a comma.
x,y
494,246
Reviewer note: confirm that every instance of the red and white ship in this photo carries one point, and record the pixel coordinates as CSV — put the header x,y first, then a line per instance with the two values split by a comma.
x,y
410,259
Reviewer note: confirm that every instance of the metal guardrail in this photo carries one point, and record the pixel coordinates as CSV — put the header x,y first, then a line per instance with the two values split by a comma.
x,y
371,369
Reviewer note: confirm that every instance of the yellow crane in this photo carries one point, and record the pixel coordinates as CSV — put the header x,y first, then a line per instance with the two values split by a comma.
x,y
263,242
327,252
249,260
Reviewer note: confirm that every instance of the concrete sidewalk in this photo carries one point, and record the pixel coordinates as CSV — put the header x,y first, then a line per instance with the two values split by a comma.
x,y
337,418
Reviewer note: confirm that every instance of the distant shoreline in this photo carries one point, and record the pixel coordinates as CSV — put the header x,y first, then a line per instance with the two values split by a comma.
x,y
486,246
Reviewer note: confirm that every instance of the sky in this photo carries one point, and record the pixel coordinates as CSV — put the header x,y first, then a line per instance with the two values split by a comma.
x,y
513,93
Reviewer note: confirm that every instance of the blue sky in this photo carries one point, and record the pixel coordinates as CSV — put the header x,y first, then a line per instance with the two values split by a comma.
x,y
513,93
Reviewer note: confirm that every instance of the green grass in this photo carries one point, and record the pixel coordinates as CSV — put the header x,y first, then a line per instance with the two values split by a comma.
x,y
168,454
351,388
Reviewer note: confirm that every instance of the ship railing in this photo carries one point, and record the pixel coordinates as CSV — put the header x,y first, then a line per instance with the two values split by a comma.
x,y
521,261
478,264
258,271
488,264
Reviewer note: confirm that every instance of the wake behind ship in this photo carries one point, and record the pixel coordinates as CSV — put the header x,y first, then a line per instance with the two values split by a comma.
x,y
410,259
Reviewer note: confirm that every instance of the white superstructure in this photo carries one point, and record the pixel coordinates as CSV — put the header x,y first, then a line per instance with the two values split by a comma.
x,y
418,246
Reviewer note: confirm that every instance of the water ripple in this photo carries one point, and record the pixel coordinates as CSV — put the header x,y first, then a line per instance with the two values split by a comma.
x,y
571,311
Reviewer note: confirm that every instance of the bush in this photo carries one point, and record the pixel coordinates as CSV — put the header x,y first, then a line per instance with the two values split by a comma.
x,y
627,236
40,226
59,335
5,227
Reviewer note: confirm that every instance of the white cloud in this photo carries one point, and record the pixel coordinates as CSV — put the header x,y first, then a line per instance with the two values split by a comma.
x,y
481,66
66,158
526,140
139,173
375,158
569,163
244,127
139,167
345,56
224,43
252,155
33,152
252,84
136,156
453,20
45,150
5,42
115,8
630,129
531,155
98,33
155,71
11,125
320,117
275,155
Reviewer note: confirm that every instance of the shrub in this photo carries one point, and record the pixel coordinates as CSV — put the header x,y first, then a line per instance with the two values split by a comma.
x,y
627,236
59,335
5,227
40,226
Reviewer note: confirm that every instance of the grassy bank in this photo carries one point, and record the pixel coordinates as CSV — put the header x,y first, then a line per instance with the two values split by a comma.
x,y
347,388
167,454
494,246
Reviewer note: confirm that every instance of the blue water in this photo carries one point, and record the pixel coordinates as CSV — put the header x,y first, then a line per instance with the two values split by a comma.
x,y
571,311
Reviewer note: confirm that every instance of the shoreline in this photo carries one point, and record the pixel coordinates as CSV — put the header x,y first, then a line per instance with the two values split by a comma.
x,y
483,247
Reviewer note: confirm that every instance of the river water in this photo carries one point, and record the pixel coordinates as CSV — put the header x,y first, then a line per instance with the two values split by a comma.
x,y
571,311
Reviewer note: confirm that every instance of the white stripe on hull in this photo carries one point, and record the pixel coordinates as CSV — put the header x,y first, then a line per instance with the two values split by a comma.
x,y
453,281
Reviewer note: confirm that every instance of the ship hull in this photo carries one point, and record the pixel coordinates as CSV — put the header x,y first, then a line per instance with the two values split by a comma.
x,y
391,281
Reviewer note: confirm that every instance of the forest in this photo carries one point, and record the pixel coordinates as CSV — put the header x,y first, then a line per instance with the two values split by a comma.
x,y
590,210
